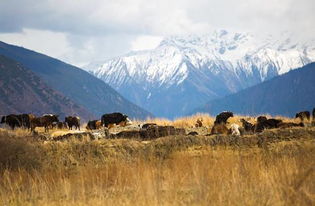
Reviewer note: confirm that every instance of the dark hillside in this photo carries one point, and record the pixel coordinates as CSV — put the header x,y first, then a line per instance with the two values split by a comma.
x,y
282,95
21,91
78,85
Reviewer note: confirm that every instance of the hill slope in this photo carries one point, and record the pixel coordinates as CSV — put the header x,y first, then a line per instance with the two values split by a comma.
x,y
184,72
78,85
282,95
21,91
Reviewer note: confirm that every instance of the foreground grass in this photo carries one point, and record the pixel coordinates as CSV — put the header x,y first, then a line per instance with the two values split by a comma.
x,y
275,168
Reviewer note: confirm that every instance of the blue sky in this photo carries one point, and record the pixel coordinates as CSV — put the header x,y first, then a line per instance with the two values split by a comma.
x,y
82,31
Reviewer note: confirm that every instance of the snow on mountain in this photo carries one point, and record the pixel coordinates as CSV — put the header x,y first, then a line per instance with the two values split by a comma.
x,y
184,72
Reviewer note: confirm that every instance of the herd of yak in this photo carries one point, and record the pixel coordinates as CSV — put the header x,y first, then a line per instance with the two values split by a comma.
x,y
30,121
262,123
48,121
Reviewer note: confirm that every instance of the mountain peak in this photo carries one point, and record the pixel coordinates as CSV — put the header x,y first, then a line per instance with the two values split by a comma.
x,y
202,67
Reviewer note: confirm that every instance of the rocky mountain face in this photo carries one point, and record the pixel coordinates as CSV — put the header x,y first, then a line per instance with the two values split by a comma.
x,y
76,84
283,95
185,72
21,91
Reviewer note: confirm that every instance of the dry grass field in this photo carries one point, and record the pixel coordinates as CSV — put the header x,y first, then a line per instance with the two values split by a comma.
x,y
276,167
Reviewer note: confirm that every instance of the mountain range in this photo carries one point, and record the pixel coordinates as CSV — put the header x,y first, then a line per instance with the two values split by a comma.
x,y
185,72
283,95
80,87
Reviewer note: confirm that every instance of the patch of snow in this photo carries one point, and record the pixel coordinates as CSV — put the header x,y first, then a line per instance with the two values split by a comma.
x,y
166,65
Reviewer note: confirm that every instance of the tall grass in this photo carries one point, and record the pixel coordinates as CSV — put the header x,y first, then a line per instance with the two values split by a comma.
x,y
184,122
221,177
168,171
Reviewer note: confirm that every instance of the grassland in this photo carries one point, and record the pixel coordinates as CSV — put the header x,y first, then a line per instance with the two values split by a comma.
x,y
275,167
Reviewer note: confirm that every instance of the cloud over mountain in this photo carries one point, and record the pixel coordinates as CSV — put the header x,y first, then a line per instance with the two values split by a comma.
x,y
98,29
184,72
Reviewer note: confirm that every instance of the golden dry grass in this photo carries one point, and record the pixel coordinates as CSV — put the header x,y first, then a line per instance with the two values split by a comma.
x,y
179,170
216,177
184,122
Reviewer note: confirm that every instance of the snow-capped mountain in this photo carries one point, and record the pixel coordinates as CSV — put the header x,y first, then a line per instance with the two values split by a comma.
x,y
184,72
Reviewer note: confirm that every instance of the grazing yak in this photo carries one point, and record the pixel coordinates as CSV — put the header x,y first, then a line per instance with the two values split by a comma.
x,y
219,126
94,124
223,117
73,121
109,120
12,120
274,123
261,119
303,115
47,120
20,120
264,123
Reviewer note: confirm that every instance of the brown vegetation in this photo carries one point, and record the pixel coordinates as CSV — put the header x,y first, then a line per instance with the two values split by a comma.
x,y
275,167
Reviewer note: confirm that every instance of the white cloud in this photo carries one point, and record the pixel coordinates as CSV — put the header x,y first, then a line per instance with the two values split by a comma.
x,y
91,30
53,43
145,42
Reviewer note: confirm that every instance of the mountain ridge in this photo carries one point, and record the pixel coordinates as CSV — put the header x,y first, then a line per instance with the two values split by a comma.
x,y
22,91
186,72
283,95
76,84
